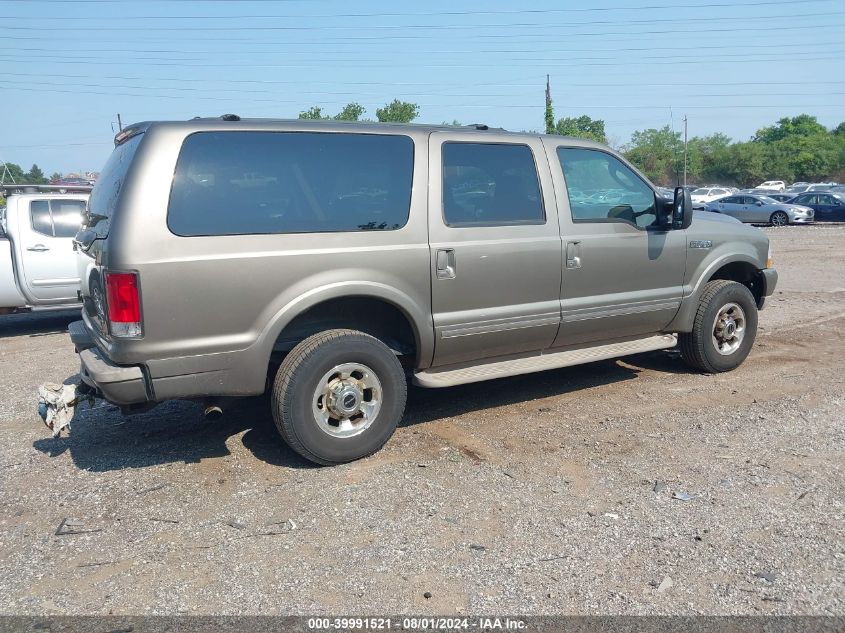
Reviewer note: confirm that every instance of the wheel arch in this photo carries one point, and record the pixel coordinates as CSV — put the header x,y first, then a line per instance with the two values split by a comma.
x,y
738,267
377,309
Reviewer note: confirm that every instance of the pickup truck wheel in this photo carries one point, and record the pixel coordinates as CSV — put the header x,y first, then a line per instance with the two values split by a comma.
x,y
724,328
338,396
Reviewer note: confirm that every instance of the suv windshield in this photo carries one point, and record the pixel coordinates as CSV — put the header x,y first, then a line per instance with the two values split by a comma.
x,y
106,191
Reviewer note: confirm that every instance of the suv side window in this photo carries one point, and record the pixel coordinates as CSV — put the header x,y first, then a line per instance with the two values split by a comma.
x,y
490,184
56,218
242,183
614,193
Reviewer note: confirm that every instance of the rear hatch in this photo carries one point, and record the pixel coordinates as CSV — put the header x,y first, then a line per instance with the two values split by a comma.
x,y
90,241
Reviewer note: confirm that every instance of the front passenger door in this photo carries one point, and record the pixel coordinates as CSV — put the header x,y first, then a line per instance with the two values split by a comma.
x,y
623,272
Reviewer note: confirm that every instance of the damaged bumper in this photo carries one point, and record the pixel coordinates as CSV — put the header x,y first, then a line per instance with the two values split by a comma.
x,y
119,384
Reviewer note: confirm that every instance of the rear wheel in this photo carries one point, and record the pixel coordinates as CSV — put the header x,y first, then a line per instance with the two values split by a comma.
x,y
724,328
779,218
338,396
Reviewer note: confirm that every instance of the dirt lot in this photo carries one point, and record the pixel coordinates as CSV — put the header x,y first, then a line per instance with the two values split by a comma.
x,y
550,493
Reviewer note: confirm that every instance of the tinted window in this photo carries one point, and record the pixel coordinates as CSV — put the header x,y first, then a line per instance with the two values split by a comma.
x,y
730,200
490,184
236,183
614,191
104,195
39,214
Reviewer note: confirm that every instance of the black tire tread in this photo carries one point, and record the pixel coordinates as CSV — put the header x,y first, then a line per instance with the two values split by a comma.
x,y
282,393
691,344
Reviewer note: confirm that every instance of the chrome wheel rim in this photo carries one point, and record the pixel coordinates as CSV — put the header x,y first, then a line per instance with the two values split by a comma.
x,y
780,219
729,329
347,400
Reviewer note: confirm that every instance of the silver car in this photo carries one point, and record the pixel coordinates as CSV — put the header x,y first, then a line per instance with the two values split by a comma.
x,y
760,209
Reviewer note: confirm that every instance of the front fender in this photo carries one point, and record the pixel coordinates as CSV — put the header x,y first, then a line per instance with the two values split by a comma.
x,y
702,272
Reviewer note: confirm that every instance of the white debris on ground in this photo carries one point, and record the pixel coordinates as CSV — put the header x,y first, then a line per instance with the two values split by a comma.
x,y
56,406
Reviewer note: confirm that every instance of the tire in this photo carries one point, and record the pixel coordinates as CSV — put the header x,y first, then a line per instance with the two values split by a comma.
x,y
700,348
322,380
779,218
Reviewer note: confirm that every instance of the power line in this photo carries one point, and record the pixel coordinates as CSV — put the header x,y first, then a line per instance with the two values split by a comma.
x,y
356,93
657,61
602,84
390,27
745,47
613,106
711,5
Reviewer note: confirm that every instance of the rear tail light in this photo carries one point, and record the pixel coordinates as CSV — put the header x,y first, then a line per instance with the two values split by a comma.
x,y
124,305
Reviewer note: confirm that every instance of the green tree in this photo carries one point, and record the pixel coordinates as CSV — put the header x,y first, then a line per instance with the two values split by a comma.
x,y
314,113
55,176
351,112
36,176
581,127
398,112
801,125
15,171
658,153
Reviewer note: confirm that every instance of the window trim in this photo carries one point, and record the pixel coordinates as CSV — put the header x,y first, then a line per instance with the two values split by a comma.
x,y
651,227
291,132
473,225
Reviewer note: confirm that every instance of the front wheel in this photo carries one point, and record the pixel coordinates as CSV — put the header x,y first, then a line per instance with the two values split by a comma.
x,y
779,218
724,328
338,396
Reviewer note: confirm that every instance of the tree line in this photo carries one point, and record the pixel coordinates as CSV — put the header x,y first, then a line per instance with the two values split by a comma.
x,y
792,149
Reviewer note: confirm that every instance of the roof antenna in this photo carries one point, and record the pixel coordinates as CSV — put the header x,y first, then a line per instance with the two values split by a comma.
x,y
230,117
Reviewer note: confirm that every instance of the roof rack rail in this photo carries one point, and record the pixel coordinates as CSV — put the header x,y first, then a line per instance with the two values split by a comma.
x,y
13,188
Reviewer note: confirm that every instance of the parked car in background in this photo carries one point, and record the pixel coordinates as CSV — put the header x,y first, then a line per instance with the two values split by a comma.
x,y
772,185
760,209
668,194
703,195
799,187
821,186
828,206
780,196
37,261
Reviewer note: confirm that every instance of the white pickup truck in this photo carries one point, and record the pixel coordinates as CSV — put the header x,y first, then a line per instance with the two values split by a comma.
x,y
37,261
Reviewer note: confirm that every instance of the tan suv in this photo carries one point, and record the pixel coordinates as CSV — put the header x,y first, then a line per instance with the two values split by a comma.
x,y
329,262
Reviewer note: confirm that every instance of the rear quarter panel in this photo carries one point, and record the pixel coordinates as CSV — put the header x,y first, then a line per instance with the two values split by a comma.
x,y
218,303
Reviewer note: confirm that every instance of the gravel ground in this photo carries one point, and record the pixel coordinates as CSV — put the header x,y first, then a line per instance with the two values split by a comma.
x,y
544,494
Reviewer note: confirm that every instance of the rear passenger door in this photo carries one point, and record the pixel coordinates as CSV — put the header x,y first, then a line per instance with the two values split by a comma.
x,y
495,247
623,273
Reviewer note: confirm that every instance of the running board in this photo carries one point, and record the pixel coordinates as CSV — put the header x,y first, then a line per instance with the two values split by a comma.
x,y
444,377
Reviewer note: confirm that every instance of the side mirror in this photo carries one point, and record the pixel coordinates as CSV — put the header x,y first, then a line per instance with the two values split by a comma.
x,y
758,203
682,209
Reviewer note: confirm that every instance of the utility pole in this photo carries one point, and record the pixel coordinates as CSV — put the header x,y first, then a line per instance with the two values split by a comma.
x,y
119,123
685,150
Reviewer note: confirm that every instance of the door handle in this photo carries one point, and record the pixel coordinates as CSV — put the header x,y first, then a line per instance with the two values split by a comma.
x,y
38,248
573,255
445,263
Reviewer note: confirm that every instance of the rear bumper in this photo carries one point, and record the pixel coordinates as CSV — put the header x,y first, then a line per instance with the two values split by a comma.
x,y
118,384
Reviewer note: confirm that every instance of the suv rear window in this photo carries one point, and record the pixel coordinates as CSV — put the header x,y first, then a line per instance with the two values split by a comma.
x,y
105,193
240,183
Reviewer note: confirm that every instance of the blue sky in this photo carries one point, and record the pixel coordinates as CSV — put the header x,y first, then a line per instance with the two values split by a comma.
x,y
68,67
